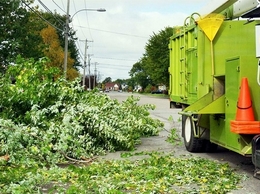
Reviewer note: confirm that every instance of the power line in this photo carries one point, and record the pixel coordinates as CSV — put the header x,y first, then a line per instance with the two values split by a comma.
x,y
114,65
80,51
119,69
78,19
63,7
48,10
90,34
59,6
88,20
81,54
114,59
41,16
120,33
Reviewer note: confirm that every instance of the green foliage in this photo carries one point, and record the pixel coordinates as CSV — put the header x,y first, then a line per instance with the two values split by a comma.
x,y
142,153
20,32
107,80
173,137
157,53
13,19
44,120
155,174
148,88
33,85
153,66
139,75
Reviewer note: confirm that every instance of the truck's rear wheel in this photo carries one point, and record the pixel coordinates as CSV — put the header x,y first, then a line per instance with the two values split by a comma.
x,y
210,147
192,143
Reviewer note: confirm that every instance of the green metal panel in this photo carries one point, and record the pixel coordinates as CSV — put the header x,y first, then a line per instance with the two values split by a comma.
x,y
206,105
217,130
198,105
216,107
183,66
232,88
191,74
231,92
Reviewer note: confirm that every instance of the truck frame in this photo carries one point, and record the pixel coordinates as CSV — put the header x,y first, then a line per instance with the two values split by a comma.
x,y
215,79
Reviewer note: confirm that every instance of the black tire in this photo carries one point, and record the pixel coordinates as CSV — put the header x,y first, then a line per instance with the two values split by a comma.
x,y
175,105
210,147
192,143
172,105
183,125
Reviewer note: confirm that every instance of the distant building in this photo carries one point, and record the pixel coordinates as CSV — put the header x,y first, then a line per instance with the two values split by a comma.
x,y
112,86
162,87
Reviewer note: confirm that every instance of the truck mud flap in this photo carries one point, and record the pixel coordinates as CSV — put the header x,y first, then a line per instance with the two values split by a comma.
x,y
256,155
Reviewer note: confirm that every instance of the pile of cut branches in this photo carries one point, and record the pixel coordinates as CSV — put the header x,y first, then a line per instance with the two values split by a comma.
x,y
46,119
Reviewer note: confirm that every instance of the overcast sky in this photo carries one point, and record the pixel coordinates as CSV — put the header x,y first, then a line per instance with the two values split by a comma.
x,y
119,35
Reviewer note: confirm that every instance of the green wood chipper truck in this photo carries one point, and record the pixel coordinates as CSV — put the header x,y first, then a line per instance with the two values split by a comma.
x,y
215,78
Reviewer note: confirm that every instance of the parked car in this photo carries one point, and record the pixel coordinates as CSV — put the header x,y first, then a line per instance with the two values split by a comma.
x,y
157,92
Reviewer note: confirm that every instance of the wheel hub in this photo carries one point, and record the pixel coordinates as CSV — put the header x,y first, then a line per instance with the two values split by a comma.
x,y
187,131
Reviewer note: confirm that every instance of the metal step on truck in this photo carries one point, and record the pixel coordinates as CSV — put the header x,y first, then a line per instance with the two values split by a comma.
x,y
215,78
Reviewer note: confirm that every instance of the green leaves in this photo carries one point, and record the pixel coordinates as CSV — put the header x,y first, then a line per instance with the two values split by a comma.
x,y
153,66
156,174
53,121
173,137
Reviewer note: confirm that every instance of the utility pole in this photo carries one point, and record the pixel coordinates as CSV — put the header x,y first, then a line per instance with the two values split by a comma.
x,y
95,73
85,64
89,82
66,39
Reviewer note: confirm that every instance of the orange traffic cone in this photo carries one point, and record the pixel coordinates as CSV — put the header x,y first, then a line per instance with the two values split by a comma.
x,y
245,121
244,104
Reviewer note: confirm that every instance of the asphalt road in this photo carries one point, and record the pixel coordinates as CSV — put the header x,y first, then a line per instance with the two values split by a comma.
x,y
172,119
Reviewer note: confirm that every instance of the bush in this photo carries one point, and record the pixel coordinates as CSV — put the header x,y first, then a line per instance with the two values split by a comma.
x,y
148,88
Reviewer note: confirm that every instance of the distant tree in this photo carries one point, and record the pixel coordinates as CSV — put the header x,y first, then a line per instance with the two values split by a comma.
x,y
139,75
55,52
52,50
15,36
119,81
131,83
153,66
157,56
107,80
